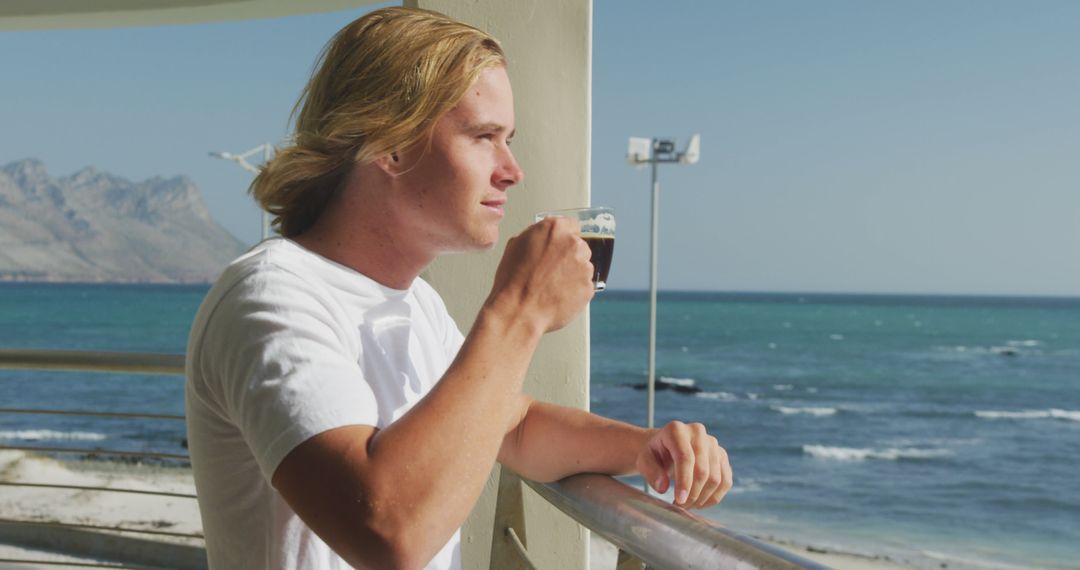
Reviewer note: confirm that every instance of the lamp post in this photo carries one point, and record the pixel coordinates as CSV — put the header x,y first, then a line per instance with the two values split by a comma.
x,y
644,151
267,150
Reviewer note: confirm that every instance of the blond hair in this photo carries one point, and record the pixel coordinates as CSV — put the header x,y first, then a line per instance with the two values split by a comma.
x,y
381,84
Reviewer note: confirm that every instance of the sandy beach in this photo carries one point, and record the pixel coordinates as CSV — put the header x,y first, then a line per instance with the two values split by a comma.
x,y
837,560
181,515
126,510
153,514
603,556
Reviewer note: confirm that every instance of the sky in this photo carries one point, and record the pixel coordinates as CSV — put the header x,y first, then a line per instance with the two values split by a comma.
x,y
847,146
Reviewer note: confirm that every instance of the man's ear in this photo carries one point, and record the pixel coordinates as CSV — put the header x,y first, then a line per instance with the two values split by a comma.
x,y
390,164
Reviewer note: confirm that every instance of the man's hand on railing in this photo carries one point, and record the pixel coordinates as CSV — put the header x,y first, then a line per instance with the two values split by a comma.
x,y
700,467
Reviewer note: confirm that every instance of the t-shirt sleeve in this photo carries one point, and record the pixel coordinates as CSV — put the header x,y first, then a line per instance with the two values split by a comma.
x,y
283,366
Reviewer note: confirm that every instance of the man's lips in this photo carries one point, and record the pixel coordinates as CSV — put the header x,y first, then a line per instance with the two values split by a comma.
x,y
494,204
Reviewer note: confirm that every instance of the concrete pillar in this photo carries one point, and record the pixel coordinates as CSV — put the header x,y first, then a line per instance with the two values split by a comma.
x,y
548,44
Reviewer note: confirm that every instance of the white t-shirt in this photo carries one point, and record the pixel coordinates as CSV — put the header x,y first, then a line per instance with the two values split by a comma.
x,y
287,345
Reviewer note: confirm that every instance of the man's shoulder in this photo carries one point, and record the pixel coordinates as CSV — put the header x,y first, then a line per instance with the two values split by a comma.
x,y
270,260
267,274
423,289
428,298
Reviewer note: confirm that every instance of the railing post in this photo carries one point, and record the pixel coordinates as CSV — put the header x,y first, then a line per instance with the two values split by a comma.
x,y
628,561
506,551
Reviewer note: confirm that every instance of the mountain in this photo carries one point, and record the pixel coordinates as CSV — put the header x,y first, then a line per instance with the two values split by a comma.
x,y
96,227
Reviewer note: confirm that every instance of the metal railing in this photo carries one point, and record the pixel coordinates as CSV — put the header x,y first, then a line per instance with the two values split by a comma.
x,y
132,362
141,547
647,531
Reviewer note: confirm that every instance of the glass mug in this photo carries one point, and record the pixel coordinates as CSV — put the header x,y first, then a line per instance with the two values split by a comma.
x,y
598,230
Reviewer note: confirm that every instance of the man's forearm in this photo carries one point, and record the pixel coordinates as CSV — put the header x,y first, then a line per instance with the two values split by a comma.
x,y
552,442
443,449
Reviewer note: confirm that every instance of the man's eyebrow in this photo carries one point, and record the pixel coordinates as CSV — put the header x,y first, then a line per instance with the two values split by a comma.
x,y
491,128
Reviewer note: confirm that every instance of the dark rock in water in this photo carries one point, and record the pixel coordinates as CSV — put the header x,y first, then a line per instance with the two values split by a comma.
x,y
664,384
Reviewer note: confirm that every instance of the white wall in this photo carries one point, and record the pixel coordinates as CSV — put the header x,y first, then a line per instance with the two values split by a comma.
x,y
57,14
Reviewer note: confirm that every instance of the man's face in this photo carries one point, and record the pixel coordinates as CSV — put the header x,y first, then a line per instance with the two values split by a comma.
x,y
452,194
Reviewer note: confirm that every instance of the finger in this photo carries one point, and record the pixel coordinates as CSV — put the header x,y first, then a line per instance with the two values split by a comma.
x,y
543,224
724,465
652,468
574,226
584,251
677,442
563,224
714,490
714,479
729,475
699,440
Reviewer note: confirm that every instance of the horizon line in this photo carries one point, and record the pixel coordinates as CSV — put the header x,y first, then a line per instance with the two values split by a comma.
x,y
794,293
777,292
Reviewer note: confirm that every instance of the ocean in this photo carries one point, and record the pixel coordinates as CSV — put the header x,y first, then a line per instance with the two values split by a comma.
x,y
937,431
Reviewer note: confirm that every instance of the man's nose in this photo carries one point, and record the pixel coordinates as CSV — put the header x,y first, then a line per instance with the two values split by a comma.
x,y
509,172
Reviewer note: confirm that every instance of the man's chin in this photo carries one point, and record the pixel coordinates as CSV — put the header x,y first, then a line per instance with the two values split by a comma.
x,y
489,241
480,245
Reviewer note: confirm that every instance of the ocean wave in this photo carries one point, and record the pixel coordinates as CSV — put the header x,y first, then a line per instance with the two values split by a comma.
x,y
938,442
725,396
687,382
1052,413
44,434
746,486
1026,342
808,410
863,453
1010,348
783,387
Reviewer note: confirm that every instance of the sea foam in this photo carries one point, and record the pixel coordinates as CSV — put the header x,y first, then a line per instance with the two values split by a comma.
x,y
1052,413
43,434
725,396
809,410
687,382
863,453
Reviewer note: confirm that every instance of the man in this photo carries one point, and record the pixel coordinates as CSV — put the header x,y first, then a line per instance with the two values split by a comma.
x,y
336,414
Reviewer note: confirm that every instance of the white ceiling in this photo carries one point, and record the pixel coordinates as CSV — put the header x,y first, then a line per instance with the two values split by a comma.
x,y
55,14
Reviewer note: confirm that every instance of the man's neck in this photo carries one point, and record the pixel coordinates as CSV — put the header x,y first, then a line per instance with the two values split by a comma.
x,y
365,239
380,259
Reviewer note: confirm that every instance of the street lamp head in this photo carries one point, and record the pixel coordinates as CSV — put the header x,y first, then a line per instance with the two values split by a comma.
x,y
644,151
640,151
663,147
692,152
225,155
